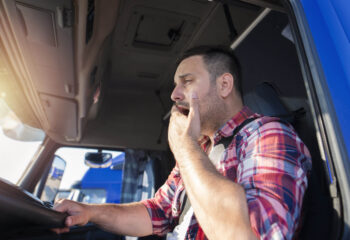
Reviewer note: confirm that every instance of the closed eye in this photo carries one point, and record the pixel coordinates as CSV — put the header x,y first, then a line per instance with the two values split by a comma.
x,y
187,81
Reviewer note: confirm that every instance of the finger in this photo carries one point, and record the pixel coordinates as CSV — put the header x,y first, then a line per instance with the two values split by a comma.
x,y
61,206
69,221
194,106
76,217
75,220
60,230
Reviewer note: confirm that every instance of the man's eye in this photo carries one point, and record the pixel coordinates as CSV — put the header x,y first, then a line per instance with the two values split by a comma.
x,y
188,81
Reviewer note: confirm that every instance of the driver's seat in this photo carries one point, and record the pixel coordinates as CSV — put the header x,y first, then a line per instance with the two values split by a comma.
x,y
317,209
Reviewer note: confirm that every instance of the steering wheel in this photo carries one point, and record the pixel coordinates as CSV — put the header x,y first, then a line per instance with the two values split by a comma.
x,y
21,209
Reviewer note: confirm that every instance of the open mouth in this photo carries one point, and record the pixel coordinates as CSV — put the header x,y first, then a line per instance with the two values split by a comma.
x,y
183,110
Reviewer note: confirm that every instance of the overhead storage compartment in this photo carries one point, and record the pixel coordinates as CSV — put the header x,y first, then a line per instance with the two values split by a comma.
x,y
45,36
61,114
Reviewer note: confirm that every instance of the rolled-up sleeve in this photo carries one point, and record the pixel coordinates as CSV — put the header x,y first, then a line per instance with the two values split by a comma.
x,y
160,207
273,169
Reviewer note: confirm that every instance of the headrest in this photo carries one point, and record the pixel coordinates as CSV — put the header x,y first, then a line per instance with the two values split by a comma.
x,y
264,100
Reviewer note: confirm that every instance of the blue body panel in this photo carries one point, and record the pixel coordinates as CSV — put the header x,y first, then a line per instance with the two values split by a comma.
x,y
329,22
56,173
107,179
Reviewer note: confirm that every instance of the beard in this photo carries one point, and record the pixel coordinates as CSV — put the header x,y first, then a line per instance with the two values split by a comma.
x,y
211,111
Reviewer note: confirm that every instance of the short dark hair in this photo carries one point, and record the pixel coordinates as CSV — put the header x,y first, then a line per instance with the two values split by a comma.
x,y
218,60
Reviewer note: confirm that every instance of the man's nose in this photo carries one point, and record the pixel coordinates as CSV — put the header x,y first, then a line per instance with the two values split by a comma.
x,y
177,94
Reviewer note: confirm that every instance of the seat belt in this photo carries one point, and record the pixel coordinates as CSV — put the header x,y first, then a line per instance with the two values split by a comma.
x,y
215,155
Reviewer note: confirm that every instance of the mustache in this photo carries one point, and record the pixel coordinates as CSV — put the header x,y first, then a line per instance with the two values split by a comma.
x,y
182,104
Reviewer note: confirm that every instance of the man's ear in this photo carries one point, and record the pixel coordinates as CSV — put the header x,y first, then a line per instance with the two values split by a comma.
x,y
225,85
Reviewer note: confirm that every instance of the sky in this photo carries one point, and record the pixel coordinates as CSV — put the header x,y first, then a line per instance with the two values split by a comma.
x,y
16,155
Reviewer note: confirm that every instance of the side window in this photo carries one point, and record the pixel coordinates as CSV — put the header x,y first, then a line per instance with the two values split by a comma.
x,y
138,179
89,176
15,135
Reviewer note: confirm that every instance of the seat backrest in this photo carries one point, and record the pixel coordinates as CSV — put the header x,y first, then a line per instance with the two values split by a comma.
x,y
317,208
265,100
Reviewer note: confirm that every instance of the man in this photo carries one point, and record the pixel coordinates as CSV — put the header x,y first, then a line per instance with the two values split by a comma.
x,y
253,190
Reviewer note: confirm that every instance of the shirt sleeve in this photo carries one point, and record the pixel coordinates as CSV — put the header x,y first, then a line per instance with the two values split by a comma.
x,y
273,171
160,207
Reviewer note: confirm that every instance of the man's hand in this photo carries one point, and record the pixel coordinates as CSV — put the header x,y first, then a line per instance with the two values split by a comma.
x,y
78,214
183,128
130,219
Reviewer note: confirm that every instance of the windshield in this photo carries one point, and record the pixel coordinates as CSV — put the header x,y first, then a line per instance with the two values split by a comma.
x,y
18,144
90,185
76,168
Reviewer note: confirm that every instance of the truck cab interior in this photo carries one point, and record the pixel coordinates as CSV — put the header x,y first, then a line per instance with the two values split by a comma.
x,y
100,74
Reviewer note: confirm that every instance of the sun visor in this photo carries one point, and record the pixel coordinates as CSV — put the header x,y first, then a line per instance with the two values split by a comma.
x,y
61,114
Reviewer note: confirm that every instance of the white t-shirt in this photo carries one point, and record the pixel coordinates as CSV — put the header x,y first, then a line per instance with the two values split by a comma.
x,y
181,229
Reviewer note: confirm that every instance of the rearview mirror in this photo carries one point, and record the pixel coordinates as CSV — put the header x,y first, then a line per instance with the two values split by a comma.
x,y
98,159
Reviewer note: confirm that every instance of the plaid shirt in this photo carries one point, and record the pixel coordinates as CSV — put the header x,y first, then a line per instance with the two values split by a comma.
x,y
267,159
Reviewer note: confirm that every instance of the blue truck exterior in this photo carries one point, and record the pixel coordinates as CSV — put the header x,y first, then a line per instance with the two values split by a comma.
x,y
56,173
329,23
109,179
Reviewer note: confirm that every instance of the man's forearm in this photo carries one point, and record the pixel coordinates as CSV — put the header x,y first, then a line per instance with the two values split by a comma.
x,y
219,204
125,219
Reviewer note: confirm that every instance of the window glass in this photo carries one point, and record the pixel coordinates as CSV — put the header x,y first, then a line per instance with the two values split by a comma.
x,y
18,144
53,179
92,196
90,185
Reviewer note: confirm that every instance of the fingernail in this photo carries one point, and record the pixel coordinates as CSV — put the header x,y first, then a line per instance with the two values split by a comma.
x,y
194,95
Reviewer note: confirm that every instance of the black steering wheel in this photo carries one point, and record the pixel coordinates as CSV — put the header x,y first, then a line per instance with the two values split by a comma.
x,y
20,209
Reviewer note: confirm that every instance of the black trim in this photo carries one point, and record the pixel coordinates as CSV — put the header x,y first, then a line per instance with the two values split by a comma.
x,y
229,20
226,141
90,18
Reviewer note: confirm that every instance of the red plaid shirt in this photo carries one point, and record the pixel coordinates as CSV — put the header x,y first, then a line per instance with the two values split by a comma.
x,y
267,159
